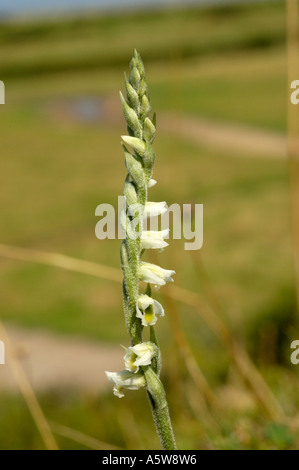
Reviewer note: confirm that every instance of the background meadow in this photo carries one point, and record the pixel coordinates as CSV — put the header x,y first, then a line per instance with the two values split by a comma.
x,y
221,67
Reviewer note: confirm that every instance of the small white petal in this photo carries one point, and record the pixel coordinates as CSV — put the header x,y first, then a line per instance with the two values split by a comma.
x,y
151,183
144,360
139,355
129,359
154,274
158,309
147,244
142,348
144,301
140,308
153,209
125,380
148,317
118,391
153,239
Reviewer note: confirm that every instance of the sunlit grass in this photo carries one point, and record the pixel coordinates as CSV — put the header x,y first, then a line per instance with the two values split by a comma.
x,y
56,175
226,67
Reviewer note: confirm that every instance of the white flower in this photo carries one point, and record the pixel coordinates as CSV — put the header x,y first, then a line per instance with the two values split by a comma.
x,y
148,309
139,355
154,274
125,380
151,183
154,239
153,209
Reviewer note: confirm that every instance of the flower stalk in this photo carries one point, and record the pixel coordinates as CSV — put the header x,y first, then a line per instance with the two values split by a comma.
x,y
142,359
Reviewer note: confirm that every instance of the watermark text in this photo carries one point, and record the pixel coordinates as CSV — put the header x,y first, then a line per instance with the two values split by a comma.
x,y
2,92
295,354
2,353
185,222
295,94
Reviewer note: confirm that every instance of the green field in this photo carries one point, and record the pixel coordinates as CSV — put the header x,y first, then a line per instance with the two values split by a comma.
x,y
227,65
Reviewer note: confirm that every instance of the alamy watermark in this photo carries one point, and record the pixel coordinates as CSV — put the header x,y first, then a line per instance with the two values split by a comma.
x,y
2,92
295,94
295,354
187,222
2,101
2,353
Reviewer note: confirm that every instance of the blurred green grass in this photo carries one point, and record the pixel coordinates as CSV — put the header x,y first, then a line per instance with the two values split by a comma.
x,y
59,181
221,59
108,40
225,64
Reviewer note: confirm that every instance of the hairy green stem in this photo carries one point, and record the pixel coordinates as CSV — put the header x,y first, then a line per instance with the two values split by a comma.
x,y
160,411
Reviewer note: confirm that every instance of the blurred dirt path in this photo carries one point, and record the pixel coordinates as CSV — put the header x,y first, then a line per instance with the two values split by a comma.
x,y
237,139
240,140
54,361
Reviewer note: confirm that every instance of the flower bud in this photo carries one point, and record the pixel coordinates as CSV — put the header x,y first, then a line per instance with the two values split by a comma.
x,y
134,79
132,95
145,107
131,117
137,144
149,130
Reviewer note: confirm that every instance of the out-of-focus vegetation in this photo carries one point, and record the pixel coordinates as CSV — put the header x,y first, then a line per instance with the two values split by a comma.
x,y
223,63
78,44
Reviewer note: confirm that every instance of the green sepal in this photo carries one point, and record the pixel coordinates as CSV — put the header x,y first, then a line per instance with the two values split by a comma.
x,y
131,117
148,159
132,95
140,65
130,192
138,145
149,130
135,79
157,359
142,91
145,107
134,168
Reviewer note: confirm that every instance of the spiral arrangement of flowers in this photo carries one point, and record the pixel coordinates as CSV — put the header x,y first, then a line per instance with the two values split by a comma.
x,y
143,358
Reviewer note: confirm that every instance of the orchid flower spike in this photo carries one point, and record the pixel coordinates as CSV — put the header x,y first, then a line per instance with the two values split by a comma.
x,y
142,359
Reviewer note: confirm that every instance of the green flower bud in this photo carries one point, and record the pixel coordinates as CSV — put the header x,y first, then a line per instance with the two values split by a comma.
x,y
130,193
149,130
149,158
134,79
131,117
137,144
142,88
145,107
140,66
134,169
132,95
